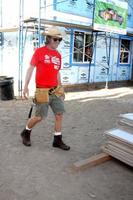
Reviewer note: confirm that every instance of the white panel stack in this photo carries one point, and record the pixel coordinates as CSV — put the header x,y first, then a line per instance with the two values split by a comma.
x,y
126,122
120,140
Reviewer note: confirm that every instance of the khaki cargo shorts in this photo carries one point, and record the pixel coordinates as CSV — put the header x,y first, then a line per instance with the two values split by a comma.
x,y
56,104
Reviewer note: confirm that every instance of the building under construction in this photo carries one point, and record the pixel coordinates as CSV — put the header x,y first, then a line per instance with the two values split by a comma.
x,y
89,56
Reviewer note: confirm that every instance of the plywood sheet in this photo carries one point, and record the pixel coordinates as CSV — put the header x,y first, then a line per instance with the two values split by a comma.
x,y
120,140
121,135
126,124
118,156
128,116
120,146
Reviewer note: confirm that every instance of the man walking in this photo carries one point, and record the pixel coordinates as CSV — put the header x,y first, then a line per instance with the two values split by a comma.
x,y
49,91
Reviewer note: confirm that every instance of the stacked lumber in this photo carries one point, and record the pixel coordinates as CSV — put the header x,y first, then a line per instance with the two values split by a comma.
x,y
120,140
126,122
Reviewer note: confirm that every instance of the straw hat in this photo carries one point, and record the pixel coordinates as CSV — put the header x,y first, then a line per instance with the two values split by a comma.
x,y
54,32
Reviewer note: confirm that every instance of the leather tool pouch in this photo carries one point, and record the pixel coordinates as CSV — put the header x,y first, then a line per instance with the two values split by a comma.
x,y
41,95
59,91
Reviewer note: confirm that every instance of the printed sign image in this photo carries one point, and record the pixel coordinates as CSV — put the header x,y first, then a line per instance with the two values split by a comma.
x,y
111,16
75,6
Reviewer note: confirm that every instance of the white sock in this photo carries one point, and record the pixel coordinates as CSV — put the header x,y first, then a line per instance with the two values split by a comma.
x,y
29,129
57,133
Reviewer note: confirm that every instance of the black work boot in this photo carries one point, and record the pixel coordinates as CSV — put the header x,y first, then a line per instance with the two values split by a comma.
x,y
26,137
58,143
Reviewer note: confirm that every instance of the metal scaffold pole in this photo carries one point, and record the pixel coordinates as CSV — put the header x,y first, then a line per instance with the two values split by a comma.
x,y
21,47
0,13
107,58
1,38
39,23
93,44
41,6
22,40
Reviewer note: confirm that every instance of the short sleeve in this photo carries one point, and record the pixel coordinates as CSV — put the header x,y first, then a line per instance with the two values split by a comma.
x,y
35,58
60,57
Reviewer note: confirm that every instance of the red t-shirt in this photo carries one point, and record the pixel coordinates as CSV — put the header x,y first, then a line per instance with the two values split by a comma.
x,y
48,64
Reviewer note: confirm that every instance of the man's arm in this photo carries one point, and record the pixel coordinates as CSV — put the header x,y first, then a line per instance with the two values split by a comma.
x,y
27,80
60,84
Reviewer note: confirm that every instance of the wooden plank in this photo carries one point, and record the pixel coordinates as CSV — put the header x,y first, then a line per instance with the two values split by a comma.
x,y
92,161
9,29
57,23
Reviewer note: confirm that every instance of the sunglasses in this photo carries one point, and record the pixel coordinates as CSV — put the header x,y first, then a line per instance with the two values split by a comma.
x,y
57,39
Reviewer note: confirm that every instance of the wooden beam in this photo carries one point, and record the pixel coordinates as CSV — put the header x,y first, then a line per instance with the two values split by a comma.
x,y
10,29
92,161
58,23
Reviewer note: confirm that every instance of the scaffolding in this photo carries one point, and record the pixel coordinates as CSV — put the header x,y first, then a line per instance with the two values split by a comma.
x,y
36,25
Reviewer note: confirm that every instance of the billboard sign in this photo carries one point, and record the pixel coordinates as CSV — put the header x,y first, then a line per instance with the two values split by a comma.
x,y
111,16
82,8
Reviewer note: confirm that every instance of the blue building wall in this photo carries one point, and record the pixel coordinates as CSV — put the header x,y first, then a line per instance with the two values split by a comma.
x,y
74,72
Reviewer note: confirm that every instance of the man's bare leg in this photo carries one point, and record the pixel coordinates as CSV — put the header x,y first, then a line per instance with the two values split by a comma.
x,y
58,122
57,135
33,121
27,131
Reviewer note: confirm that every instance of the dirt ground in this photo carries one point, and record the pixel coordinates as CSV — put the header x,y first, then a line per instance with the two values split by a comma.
x,y
43,173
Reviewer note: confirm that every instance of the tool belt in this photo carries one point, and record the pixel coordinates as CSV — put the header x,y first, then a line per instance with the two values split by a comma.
x,y
42,94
